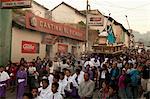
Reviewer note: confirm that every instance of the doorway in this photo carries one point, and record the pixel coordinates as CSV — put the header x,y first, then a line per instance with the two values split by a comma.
x,y
49,51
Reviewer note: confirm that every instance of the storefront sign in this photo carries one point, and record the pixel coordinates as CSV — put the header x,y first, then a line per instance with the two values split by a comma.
x,y
49,39
95,20
62,48
15,3
30,47
48,26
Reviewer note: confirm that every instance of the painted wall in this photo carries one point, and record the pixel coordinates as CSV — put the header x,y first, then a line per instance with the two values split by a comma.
x,y
64,14
127,40
5,35
19,35
37,10
118,32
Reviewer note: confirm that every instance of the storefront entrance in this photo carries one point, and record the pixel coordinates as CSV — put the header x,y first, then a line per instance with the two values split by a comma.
x,y
74,50
49,51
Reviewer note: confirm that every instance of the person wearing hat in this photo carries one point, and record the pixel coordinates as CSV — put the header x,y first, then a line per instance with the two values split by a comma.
x,y
4,77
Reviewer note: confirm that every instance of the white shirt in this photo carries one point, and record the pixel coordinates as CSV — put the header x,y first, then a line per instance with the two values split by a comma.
x,y
50,78
31,70
96,63
80,77
63,83
45,93
88,63
119,65
103,75
59,88
55,65
4,77
70,80
56,95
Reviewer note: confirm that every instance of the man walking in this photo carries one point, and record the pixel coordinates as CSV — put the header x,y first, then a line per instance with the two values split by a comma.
x,y
86,88
4,77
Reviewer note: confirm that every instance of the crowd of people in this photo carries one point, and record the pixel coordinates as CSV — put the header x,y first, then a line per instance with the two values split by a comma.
x,y
125,76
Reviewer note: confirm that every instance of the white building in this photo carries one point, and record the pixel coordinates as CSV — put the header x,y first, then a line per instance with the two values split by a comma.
x,y
65,13
33,34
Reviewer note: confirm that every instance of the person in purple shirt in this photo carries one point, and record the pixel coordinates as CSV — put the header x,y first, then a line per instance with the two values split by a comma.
x,y
21,82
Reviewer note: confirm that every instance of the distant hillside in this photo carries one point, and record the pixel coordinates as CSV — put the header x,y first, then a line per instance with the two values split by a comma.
x,y
142,37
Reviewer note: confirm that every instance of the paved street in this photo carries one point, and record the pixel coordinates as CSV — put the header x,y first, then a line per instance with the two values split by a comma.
x,y
12,95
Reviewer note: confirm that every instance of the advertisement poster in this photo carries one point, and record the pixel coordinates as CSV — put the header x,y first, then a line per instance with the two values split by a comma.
x,y
62,48
30,47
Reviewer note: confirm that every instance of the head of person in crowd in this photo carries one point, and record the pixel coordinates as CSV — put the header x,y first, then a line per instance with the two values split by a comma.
x,y
64,70
68,73
140,67
27,96
38,58
68,61
78,71
21,67
80,67
45,83
123,72
87,67
95,60
22,61
88,59
56,78
113,89
55,86
135,65
1,69
105,85
34,92
114,65
127,66
55,59
62,75
64,61
86,76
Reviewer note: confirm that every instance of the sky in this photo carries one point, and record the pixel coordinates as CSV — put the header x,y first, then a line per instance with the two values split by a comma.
x,y
137,11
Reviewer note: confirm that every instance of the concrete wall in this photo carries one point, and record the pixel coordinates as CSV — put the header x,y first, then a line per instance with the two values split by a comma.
x,y
5,35
65,14
19,35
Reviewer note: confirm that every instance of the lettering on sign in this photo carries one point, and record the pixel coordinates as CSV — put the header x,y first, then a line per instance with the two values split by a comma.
x,y
30,47
51,27
15,4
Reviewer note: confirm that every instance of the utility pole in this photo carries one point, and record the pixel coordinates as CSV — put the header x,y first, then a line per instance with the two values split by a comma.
x,y
87,42
127,21
131,42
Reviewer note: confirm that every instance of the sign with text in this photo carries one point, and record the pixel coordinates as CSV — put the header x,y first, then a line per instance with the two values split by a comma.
x,y
16,3
44,25
95,20
30,47
62,48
